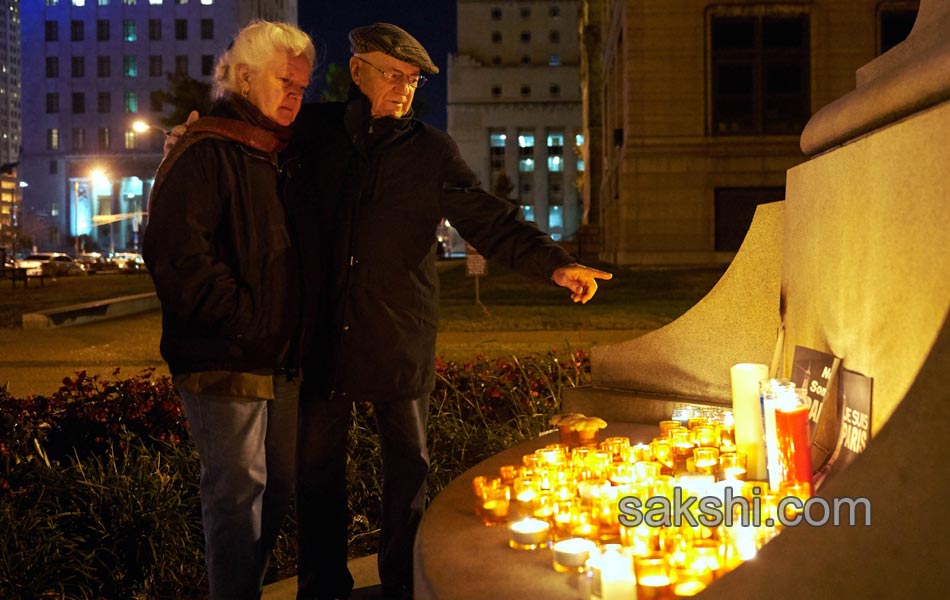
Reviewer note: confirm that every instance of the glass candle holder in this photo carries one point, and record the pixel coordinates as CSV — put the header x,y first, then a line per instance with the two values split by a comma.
x,y
666,426
794,443
494,499
654,577
528,534
662,452
706,460
615,446
637,453
732,465
706,435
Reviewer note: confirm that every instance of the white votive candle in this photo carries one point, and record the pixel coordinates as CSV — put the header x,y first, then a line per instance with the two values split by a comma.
x,y
528,534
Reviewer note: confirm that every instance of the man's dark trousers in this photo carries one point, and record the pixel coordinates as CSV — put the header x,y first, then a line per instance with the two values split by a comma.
x,y
322,514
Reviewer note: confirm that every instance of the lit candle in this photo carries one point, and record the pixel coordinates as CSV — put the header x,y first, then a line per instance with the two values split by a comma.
x,y
747,410
528,534
616,576
571,554
653,576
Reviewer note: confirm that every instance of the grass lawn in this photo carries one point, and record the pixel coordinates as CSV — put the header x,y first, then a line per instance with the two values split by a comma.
x,y
64,291
633,299
641,299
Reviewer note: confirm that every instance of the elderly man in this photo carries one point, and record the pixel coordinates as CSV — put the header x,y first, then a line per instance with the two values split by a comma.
x,y
380,181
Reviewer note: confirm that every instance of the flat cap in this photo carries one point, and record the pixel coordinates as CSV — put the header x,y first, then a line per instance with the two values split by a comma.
x,y
394,41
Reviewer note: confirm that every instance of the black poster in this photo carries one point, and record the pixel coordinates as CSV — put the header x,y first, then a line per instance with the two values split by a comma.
x,y
813,371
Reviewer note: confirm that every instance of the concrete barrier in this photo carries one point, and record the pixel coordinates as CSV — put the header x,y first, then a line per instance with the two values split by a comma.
x,y
88,312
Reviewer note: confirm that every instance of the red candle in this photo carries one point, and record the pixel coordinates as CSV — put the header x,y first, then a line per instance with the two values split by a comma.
x,y
791,427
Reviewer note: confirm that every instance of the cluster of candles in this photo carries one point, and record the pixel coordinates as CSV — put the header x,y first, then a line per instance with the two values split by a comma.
x,y
568,499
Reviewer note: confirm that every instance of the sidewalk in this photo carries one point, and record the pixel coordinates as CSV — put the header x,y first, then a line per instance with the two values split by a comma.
x,y
364,573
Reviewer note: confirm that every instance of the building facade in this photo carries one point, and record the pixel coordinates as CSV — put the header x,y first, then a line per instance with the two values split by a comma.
x,y
703,105
514,105
92,68
10,127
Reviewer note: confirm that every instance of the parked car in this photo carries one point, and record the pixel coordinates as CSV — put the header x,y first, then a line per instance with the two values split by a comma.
x,y
95,262
128,262
51,264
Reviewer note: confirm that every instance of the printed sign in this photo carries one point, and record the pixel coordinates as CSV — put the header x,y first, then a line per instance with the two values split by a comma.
x,y
475,263
814,371
854,432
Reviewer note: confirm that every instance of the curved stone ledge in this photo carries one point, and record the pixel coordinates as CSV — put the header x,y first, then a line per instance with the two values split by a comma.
x,y
918,84
91,311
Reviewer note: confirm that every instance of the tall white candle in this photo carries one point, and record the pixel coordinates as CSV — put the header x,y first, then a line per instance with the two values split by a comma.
x,y
747,410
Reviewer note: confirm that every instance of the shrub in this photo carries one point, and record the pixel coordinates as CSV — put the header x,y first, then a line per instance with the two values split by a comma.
x,y
99,482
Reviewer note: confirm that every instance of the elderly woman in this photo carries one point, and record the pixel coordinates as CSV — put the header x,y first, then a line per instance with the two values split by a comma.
x,y
220,251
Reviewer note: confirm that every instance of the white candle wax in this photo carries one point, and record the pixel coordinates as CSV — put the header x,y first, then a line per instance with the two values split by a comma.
x,y
747,411
572,553
616,577
529,532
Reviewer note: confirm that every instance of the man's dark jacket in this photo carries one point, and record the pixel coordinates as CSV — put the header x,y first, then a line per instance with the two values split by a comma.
x,y
379,188
219,250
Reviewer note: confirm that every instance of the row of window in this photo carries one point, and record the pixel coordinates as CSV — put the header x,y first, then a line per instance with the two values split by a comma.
x,y
103,102
554,37
130,66
497,141
554,60
124,2
524,12
554,90
131,141
77,30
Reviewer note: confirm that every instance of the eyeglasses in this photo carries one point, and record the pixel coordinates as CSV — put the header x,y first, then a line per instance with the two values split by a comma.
x,y
413,81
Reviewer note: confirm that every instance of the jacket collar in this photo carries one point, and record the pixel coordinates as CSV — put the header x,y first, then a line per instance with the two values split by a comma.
x,y
367,131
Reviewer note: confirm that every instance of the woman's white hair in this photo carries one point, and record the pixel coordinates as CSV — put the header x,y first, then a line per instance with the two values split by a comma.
x,y
255,46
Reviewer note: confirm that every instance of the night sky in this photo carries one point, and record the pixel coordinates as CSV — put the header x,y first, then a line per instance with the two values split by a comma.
x,y
431,22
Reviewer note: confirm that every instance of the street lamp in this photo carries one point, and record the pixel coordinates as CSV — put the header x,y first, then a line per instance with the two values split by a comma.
x,y
143,126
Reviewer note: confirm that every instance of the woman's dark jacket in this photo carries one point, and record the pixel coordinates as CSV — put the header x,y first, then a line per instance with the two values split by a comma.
x,y
379,188
218,247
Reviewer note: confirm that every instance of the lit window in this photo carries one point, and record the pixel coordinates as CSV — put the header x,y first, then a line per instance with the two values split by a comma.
x,y
79,2
131,102
579,139
555,151
130,66
525,152
103,2
207,2
554,60
555,218
528,212
154,1
130,140
496,150
128,30
52,139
